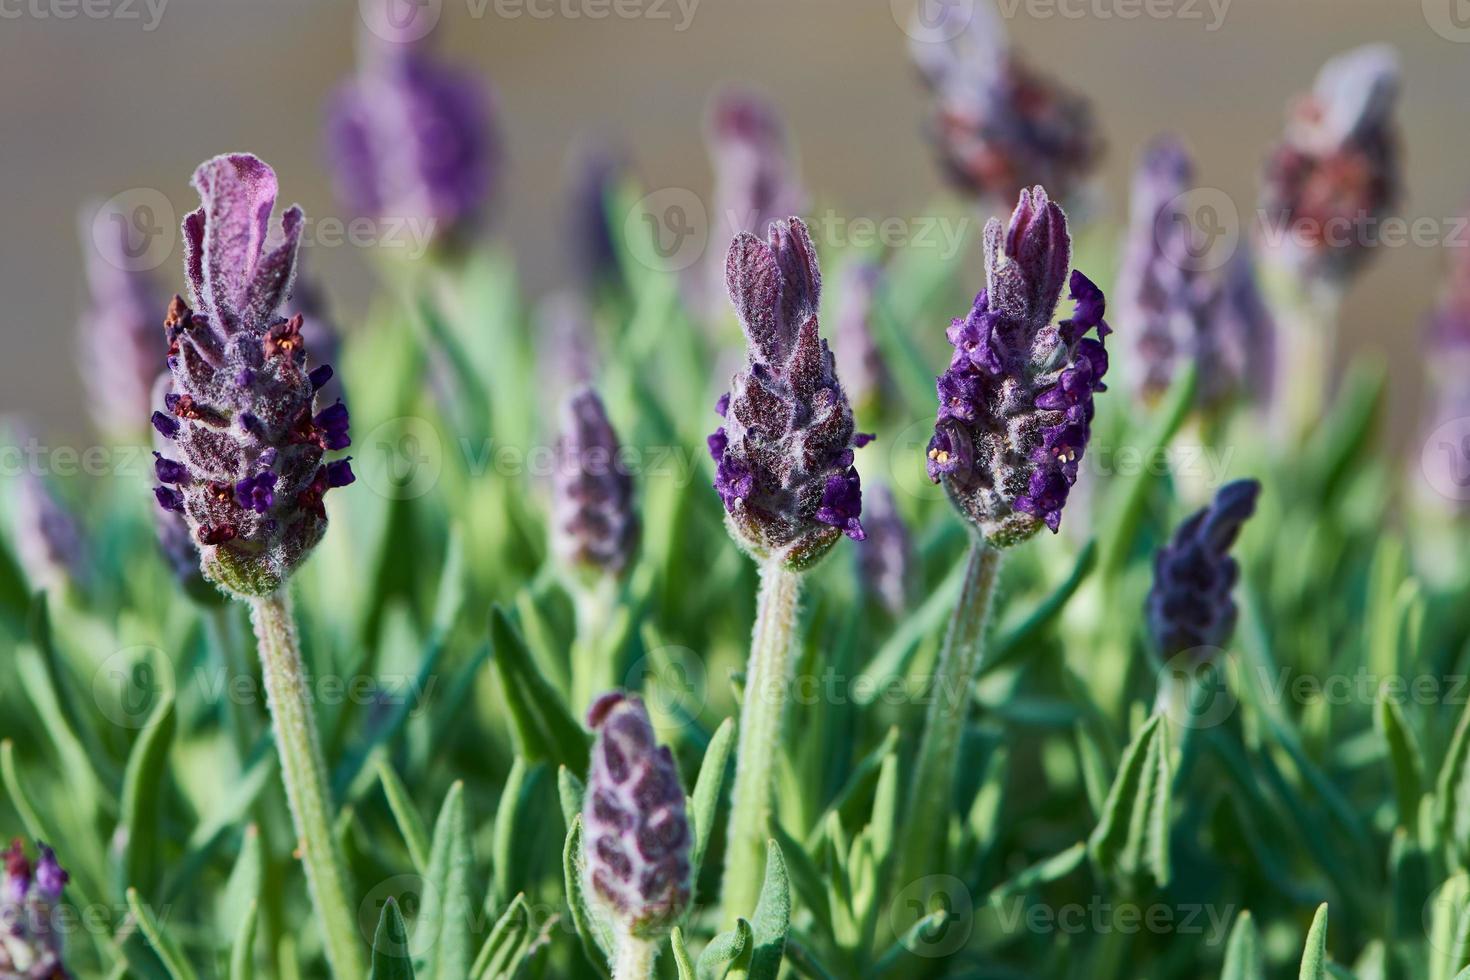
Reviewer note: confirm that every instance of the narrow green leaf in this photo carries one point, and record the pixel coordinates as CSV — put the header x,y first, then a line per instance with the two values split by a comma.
x,y
1314,957
508,943
405,814
682,962
597,942
1014,641
1243,953
543,725
242,889
1131,840
571,792
1452,792
242,953
443,927
1045,871
728,954
168,951
772,919
391,960
705,802
1406,762
135,842
516,823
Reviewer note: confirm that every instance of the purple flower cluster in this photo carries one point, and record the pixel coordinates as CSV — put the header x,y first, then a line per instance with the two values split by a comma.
x,y
1190,608
593,523
30,947
637,833
1179,307
240,412
1015,405
409,138
120,340
1336,173
998,125
784,457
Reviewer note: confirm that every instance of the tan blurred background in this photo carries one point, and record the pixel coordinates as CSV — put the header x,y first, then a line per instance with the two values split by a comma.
x,y
95,105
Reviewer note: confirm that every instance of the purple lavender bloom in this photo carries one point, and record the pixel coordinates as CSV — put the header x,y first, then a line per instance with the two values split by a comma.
x,y
859,361
49,541
1443,468
119,331
596,172
1015,405
1179,307
593,523
998,125
320,333
245,442
30,945
784,457
1190,607
637,833
409,138
887,561
1336,173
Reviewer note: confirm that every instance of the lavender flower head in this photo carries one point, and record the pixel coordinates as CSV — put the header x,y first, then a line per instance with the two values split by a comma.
x,y
1337,171
1181,307
784,457
408,138
1443,476
593,524
637,832
859,361
30,947
119,335
998,125
48,539
1190,608
1015,405
886,560
248,439
596,172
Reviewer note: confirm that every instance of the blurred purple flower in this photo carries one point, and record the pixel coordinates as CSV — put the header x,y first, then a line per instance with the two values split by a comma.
x,y
409,138
30,937
1016,403
1336,173
859,361
48,538
249,476
593,522
887,560
592,238
784,457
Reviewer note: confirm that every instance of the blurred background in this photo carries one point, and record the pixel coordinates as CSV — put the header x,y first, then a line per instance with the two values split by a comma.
x,y
128,96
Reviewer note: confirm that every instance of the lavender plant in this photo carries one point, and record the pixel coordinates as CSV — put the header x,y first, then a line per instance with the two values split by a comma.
x,y
30,937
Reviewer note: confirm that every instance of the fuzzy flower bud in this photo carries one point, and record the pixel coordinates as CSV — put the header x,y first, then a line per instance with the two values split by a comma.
x,y
119,333
30,946
242,418
1182,309
1190,607
408,138
637,833
593,524
1336,173
1015,405
784,457
998,125
886,560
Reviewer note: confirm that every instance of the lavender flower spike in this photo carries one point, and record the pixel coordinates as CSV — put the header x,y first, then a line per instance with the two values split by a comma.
x,y
998,125
1442,470
247,437
119,332
410,139
1015,405
859,361
1190,608
1336,173
638,839
593,524
1181,309
784,457
48,539
30,945
886,560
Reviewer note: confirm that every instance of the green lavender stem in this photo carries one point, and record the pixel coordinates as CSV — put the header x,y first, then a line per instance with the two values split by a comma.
x,y
767,685
635,959
304,773
594,663
926,829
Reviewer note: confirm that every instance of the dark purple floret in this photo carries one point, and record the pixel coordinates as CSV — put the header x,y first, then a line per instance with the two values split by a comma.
x,y
409,138
31,941
1190,608
784,457
320,376
637,837
1016,404
1337,172
239,406
594,525
339,473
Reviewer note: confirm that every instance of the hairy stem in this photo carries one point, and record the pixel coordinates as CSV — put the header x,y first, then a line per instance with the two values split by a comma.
x,y
304,774
931,800
767,686
635,959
